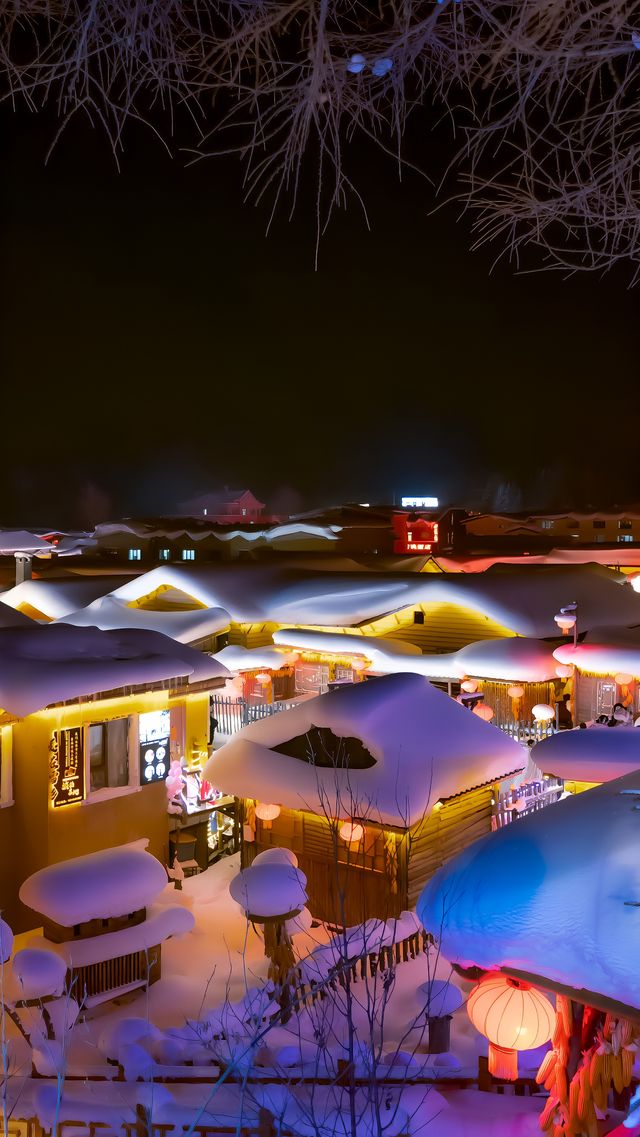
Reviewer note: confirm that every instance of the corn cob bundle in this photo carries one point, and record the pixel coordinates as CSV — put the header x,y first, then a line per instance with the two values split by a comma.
x,y
546,1066
563,1008
548,1113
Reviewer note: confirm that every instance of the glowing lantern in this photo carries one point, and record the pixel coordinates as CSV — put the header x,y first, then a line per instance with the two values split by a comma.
x,y
515,692
469,685
565,621
263,677
267,812
563,670
514,1016
351,832
623,679
483,712
542,712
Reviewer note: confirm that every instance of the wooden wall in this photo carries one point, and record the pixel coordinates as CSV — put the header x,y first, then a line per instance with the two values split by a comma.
x,y
344,886
446,832
385,876
446,627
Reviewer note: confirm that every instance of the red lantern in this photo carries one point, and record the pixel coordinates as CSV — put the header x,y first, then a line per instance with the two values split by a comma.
x,y
514,1016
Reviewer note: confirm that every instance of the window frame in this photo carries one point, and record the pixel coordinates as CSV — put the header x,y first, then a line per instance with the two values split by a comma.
x,y
134,554
105,793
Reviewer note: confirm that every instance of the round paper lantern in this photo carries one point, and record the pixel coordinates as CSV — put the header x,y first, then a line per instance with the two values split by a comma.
x,y
351,832
514,1016
469,685
484,712
623,679
263,677
564,670
565,621
266,811
542,712
515,692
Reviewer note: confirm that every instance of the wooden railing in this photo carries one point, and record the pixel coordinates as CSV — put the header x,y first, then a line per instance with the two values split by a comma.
x,y
111,974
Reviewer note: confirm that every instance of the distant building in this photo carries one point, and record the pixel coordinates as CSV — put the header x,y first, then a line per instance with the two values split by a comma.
x,y
566,528
227,507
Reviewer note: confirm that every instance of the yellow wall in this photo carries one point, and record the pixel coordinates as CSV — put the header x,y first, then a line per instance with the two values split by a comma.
x,y
33,834
446,627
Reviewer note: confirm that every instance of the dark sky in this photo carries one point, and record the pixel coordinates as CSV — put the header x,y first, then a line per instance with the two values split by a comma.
x,y
155,343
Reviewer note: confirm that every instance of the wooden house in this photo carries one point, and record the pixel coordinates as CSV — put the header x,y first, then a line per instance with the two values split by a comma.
x,y
373,786
89,722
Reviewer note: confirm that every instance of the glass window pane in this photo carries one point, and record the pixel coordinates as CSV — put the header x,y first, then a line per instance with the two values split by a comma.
x,y
97,763
117,752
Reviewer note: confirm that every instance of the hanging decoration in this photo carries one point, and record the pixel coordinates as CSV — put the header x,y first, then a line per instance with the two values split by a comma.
x,y
543,712
267,812
516,693
607,1046
624,681
351,832
564,670
514,1016
469,686
484,712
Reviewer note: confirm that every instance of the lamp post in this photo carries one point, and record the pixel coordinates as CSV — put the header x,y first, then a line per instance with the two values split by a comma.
x,y
567,620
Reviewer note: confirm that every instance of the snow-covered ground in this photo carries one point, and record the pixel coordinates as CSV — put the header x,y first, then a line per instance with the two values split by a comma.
x,y
222,959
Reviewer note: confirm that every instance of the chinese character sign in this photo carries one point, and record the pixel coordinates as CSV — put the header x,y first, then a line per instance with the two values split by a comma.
x,y
66,766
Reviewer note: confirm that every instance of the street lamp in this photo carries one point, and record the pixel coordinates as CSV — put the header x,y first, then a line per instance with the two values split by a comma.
x,y
566,619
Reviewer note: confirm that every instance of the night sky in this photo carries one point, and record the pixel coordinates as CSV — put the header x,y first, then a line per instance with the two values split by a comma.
x,y
156,343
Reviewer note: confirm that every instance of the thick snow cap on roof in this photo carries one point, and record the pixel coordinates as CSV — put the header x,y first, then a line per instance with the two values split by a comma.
x,y
597,754
21,541
55,598
523,601
10,618
52,663
184,626
424,746
511,658
112,882
601,658
554,894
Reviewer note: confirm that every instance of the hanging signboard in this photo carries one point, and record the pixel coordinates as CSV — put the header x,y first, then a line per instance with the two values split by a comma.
x,y
66,766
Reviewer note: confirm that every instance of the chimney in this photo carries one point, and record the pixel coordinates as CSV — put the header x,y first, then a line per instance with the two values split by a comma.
x,y
23,567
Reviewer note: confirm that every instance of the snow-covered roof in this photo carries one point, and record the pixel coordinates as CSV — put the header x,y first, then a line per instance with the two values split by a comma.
x,y
21,541
238,658
555,894
523,601
423,746
110,612
10,618
56,598
511,658
596,754
97,886
601,658
53,663
160,924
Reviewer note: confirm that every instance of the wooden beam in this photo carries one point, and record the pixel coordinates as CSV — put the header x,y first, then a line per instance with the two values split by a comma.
x,y
590,998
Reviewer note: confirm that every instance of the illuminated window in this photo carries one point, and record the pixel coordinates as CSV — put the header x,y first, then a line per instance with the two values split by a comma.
x,y
5,766
624,525
188,554
135,554
108,754
163,554
626,537
546,524
244,513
